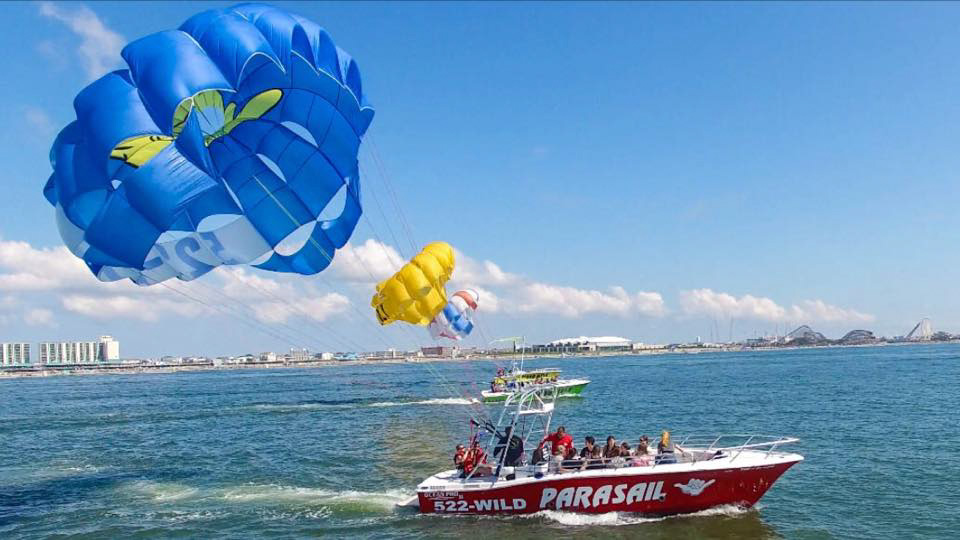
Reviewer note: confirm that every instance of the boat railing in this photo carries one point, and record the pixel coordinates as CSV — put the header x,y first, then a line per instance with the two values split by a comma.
x,y
731,444
690,449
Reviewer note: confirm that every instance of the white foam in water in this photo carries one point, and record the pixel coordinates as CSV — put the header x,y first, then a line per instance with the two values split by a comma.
x,y
285,407
586,520
616,519
435,401
292,494
161,491
292,406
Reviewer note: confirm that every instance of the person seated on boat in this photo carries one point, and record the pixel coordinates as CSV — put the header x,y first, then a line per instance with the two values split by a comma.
x,y
475,461
594,460
590,455
458,456
611,450
611,453
588,444
625,450
666,450
641,456
571,461
558,438
556,459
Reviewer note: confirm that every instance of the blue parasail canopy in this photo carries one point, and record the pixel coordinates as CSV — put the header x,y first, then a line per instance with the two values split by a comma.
x,y
231,140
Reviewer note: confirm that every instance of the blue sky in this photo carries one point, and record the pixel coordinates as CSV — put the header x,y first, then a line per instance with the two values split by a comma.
x,y
648,170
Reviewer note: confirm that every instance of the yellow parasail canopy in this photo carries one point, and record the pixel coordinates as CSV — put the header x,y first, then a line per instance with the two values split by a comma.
x,y
416,293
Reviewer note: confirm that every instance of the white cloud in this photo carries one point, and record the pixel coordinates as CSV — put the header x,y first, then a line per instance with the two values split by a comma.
x,y
228,291
39,317
274,301
718,304
124,306
488,301
472,273
243,284
368,262
99,48
707,302
40,269
499,291
23,281
572,302
318,308
818,310
649,304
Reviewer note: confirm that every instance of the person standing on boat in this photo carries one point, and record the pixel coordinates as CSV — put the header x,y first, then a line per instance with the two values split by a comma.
x,y
559,438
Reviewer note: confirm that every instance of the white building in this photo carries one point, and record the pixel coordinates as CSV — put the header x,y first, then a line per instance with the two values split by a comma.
x,y
599,343
109,349
106,349
298,355
69,352
14,354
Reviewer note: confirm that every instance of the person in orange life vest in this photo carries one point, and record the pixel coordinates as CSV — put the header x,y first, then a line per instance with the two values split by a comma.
x,y
476,458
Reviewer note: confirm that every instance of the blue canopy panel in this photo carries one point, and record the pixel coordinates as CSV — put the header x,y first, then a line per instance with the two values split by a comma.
x,y
451,323
232,140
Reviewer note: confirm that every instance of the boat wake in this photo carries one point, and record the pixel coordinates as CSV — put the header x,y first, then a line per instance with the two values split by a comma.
x,y
326,405
435,401
161,492
271,495
350,499
616,519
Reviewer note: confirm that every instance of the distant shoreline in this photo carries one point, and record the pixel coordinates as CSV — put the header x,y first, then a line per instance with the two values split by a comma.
x,y
115,369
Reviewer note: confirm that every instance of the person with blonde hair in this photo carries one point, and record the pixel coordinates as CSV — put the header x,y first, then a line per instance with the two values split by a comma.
x,y
665,450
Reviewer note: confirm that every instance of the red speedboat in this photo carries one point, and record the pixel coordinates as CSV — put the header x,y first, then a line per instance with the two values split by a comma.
x,y
707,472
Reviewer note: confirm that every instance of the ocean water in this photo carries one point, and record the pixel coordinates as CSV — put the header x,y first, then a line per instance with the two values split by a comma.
x,y
294,453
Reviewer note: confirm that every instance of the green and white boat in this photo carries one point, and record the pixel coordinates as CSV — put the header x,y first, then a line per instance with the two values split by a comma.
x,y
506,383
515,380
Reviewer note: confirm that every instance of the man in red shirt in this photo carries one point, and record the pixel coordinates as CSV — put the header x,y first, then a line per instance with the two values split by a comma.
x,y
559,438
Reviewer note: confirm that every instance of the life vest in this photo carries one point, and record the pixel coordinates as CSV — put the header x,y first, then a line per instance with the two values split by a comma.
x,y
474,457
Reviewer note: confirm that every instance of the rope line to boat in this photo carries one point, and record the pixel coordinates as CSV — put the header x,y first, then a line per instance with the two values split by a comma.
x,y
243,307
452,389
256,326
380,333
381,169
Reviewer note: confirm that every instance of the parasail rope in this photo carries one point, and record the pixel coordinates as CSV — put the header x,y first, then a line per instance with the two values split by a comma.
x,y
262,328
389,185
329,258
339,339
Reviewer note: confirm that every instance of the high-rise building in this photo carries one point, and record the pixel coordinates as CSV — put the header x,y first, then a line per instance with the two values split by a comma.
x,y
109,349
14,354
69,352
106,349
